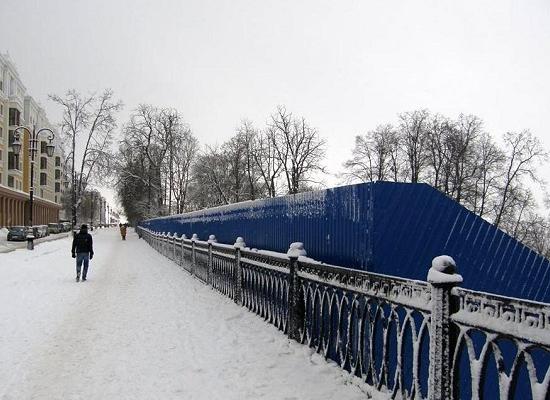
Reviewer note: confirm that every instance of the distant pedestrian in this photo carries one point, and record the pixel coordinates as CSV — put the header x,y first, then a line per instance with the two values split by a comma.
x,y
83,251
123,231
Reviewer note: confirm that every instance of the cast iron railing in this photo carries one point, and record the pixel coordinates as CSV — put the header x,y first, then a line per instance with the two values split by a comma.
x,y
408,339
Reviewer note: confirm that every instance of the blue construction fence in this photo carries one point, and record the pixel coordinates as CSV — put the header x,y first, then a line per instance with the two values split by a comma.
x,y
384,227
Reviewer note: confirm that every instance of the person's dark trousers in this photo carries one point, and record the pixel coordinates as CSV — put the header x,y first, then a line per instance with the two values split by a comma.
x,y
82,258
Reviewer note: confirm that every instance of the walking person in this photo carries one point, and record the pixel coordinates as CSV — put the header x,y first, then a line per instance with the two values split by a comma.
x,y
123,231
83,251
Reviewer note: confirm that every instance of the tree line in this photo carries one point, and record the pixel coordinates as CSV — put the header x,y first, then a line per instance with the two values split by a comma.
x,y
160,168
461,159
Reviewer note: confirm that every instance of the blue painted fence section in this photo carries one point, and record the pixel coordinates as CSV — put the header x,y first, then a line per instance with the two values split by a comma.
x,y
334,224
389,228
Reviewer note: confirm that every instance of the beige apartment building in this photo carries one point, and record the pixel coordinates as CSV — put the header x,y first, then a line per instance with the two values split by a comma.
x,y
17,108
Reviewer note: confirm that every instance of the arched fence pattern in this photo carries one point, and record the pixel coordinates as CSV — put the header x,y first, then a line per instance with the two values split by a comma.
x,y
407,339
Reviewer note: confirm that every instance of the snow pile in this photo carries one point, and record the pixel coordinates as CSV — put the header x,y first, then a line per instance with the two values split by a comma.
x,y
141,328
443,271
4,240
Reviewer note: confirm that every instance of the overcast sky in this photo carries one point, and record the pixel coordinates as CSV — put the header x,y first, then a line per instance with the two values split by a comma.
x,y
345,66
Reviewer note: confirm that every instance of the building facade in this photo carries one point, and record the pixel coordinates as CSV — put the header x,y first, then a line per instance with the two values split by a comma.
x,y
17,108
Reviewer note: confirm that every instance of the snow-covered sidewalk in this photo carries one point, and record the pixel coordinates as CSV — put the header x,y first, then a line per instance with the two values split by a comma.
x,y
141,328
7,247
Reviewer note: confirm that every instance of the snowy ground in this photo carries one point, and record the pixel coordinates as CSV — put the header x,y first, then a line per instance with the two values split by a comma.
x,y
141,328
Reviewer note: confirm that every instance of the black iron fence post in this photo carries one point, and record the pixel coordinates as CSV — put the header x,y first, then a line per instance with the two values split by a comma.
x,y
209,276
183,239
238,273
194,238
295,303
442,277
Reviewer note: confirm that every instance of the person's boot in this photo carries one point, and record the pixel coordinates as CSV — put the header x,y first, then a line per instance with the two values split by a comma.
x,y
83,278
78,277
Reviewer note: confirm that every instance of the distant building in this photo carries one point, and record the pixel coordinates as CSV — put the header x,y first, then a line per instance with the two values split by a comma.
x,y
18,108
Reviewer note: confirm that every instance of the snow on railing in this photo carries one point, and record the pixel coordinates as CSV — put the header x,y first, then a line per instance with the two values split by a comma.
x,y
407,339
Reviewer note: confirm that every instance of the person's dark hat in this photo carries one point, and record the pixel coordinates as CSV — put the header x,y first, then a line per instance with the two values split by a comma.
x,y
84,227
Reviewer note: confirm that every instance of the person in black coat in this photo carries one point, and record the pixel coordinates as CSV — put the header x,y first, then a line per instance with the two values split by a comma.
x,y
83,251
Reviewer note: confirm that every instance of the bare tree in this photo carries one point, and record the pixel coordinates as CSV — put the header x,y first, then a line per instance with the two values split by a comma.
x,y
90,120
247,139
154,163
461,140
414,139
299,149
211,179
266,159
489,159
375,156
523,152
437,132
185,152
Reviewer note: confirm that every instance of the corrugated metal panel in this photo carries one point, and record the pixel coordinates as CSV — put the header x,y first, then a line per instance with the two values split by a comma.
x,y
390,228
333,223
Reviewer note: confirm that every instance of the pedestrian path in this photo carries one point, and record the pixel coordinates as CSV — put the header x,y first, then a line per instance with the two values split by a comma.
x,y
141,328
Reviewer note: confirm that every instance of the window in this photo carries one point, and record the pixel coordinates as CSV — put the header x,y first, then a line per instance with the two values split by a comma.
x,y
2,86
1,132
57,160
15,116
43,163
57,187
43,178
1,110
13,161
12,86
43,148
11,181
10,137
57,172
0,160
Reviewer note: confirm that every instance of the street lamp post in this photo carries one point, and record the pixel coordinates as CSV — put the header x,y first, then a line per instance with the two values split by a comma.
x,y
92,210
33,148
